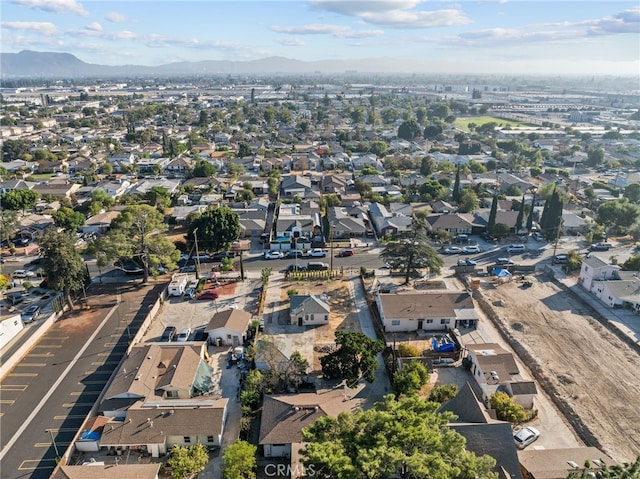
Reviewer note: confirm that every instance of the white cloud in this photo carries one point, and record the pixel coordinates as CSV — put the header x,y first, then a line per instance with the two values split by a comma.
x,y
41,28
338,31
55,6
292,42
357,8
115,17
94,26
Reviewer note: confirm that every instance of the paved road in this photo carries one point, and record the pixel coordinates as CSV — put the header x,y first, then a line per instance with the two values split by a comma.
x,y
56,384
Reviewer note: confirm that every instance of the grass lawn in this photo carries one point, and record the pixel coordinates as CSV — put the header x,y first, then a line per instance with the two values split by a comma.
x,y
481,120
40,176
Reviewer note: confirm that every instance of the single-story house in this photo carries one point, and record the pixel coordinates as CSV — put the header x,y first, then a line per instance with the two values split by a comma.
x,y
559,463
229,327
99,223
492,367
307,309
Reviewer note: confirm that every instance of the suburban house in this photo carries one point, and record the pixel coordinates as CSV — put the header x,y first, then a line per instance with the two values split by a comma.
x,y
253,222
229,327
114,188
309,310
296,185
284,416
483,432
293,223
179,166
10,185
594,268
345,225
559,463
145,186
57,188
453,223
161,396
333,184
434,310
268,356
621,293
493,368
94,470
386,222
99,223
33,226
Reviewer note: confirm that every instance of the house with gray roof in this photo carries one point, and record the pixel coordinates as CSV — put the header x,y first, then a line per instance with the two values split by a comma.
x,y
595,268
229,327
345,225
453,223
309,310
386,222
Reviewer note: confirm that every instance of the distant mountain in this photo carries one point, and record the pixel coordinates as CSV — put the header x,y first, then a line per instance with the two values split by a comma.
x,y
30,64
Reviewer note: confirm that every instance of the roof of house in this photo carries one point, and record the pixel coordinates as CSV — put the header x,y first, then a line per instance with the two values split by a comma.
x,y
523,387
496,440
595,261
151,425
285,415
426,304
466,406
102,218
108,471
446,221
309,304
232,319
555,463
492,358
624,289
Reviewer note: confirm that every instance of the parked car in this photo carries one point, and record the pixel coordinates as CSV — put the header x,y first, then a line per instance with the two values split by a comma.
x,y
200,335
461,238
345,252
601,247
452,250
504,261
208,294
183,335
317,253
273,255
30,314
295,253
466,262
538,236
526,436
190,293
168,334
471,249
296,267
221,255
23,273
560,259
516,248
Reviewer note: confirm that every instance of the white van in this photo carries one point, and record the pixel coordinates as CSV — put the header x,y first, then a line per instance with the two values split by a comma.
x,y
178,285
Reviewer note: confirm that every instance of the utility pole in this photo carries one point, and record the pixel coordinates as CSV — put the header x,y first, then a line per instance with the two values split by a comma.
x,y
555,245
195,236
331,227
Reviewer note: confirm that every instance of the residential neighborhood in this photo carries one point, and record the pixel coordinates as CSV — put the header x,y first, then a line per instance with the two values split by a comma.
x,y
260,258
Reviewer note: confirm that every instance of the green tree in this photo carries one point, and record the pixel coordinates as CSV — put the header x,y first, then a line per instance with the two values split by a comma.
x,y
217,228
492,215
520,217
531,213
455,195
65,267
19,200
186,461
14,149
409,130
159,197
632,193
244,150
507,409
413,252
468,201
443,393
432,190
427,166
392,435
378,148
68,219
138,233
500,230
239,461
203,169
100,200
595,156
107,168
355,358
410,379
8,224
617,214
513,190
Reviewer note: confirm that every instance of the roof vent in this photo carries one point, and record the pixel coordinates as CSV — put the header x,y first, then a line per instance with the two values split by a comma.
x,y
296,408
573,464
149,357
597,462
137,378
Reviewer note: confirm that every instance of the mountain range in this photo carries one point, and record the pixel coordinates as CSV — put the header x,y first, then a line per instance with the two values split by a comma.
x,y
31,64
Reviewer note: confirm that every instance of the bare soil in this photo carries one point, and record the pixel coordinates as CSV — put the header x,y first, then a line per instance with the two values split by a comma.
x,y
592,376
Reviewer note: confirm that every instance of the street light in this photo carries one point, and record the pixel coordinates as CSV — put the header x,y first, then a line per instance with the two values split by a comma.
x,y
55,446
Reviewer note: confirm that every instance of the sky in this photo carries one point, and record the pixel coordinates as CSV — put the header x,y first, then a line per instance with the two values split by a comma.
x,y
502,36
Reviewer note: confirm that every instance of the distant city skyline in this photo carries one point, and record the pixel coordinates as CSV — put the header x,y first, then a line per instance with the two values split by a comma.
x,y
485,36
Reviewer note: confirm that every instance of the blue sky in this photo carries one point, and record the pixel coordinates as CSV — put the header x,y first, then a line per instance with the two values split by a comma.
x,y
504,36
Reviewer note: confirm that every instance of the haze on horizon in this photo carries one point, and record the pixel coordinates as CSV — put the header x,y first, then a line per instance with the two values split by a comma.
x,y
485,36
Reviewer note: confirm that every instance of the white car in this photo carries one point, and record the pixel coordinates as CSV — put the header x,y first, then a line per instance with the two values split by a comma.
x,y
471,249
526,436
317,253
23,273
516,248
273,255
453,250
183,335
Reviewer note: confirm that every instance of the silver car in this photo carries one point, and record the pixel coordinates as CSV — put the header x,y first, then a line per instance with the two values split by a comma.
x,y
30,314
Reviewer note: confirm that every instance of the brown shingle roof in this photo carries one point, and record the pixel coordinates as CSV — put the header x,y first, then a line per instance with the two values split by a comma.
x,y
428,304
109,471
233,319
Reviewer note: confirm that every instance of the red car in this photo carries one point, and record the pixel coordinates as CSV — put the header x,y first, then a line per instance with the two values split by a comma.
x,y
208,294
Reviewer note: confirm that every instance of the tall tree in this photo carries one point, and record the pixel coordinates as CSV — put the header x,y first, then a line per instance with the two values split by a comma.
x,y
186,461
239,461
617,214
137,233
409,130
520,217
19,199
8,223
426,166
65,268
531,213
217,228
413,252
468,201
394,437
632,192
68,219
492,214
159,197
455,195
354,359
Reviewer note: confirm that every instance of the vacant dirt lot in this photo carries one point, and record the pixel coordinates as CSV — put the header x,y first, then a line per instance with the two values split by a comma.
x,y
594,375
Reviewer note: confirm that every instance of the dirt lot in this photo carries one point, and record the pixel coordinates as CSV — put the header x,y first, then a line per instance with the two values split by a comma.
x,y
343,316
594,375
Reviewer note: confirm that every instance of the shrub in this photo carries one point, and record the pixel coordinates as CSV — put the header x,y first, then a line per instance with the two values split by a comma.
x,y
410,378
443,393
292,291
507,409
408,351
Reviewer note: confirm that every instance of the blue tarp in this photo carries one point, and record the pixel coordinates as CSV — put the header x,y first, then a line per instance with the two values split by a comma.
x,y
501,272
89,435
443,344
